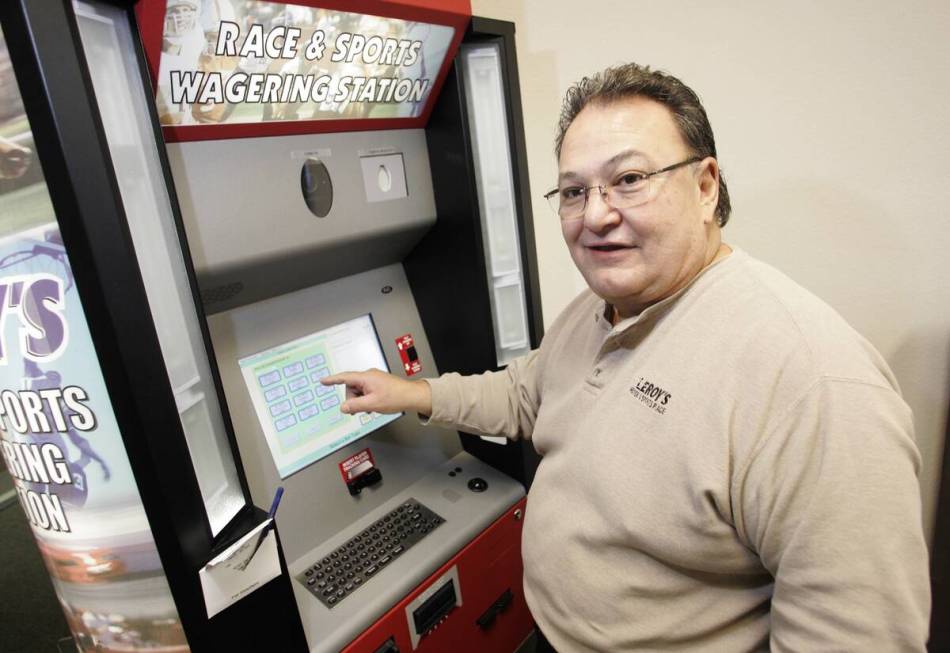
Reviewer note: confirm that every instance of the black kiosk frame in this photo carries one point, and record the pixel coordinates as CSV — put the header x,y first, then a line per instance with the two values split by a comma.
x,y
50,66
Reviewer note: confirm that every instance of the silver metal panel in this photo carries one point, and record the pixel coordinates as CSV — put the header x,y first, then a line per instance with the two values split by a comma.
x,y
316,503
384,177
450,576
251,233
466,514
109,43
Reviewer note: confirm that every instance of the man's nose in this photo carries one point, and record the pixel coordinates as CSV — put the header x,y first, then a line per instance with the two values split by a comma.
x,y
599,214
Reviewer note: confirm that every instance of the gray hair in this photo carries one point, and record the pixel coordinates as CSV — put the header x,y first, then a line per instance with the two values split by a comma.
x,y
634,80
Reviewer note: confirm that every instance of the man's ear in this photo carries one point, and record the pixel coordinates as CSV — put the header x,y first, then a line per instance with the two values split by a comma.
x,y
708,179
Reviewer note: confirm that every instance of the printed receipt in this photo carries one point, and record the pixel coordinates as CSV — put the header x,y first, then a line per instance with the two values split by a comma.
x,y
240,569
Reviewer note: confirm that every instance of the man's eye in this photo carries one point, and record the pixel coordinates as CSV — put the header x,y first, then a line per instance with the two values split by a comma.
x,y
630,180
572,193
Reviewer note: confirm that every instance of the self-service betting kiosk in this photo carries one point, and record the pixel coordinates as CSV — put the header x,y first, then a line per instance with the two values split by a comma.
x,y
230,251
406,250
389,528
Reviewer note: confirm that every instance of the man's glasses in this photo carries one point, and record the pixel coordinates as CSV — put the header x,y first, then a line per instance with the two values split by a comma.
x,y
628,190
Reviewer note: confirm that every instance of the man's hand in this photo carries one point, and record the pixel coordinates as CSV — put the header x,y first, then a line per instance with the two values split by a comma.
x,y
376,391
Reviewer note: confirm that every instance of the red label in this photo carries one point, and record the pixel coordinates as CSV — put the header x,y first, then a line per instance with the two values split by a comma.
x,y
357,465
407,352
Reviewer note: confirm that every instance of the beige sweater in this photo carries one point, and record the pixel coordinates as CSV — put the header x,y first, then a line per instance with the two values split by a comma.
x,y
731,470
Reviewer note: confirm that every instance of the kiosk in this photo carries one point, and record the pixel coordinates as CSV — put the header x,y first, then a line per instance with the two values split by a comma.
x,y
267,248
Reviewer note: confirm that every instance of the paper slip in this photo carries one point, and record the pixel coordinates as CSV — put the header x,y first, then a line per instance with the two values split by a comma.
x,y
238,571
238,554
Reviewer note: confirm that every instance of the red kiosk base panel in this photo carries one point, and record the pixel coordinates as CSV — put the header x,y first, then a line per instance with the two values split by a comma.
x,y
473,603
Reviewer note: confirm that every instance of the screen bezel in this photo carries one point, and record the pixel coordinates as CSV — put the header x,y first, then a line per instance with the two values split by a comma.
x,y
263,430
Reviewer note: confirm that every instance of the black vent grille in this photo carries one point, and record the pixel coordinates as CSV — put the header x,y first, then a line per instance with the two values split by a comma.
x,y
221,293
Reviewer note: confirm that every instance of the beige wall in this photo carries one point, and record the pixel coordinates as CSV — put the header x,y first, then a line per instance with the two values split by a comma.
x,y
833,127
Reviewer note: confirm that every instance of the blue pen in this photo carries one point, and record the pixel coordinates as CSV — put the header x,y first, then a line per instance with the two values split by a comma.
x,y
276,502
273,511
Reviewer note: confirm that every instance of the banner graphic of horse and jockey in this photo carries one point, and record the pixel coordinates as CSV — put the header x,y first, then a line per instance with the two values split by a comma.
x,y
58,435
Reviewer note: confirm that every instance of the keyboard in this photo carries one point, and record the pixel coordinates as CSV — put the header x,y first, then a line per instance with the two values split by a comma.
x,y
342,572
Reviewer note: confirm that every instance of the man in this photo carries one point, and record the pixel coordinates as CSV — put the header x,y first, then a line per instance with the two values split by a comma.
x,y
727,465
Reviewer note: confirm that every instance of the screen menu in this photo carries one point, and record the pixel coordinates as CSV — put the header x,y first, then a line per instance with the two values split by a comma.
x,y
299,416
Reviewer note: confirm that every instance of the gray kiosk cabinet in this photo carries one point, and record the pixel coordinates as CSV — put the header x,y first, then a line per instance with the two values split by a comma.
x,y
296,296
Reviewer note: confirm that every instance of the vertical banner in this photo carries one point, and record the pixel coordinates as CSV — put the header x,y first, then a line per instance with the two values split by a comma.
x,y
58,435
245,61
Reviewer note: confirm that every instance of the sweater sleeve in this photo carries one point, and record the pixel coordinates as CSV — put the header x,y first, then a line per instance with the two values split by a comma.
x,y
494,403
831,502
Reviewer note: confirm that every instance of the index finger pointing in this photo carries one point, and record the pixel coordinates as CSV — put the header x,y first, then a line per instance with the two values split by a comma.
x,y
339,378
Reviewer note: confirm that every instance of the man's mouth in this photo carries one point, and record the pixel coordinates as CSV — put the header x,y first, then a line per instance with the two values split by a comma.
x,y
608,247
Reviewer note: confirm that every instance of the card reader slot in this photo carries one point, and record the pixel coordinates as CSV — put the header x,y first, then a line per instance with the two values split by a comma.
x,y
436,606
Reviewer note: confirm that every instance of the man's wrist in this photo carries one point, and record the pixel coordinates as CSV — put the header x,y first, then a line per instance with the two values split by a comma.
x,y
422,397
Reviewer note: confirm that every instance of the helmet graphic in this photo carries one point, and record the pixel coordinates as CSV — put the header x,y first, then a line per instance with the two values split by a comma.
x,y
180,17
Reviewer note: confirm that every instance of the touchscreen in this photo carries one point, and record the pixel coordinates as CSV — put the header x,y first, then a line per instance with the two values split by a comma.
x,y
299,416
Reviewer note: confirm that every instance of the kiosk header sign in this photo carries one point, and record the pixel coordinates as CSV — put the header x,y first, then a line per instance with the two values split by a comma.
x,y
240,62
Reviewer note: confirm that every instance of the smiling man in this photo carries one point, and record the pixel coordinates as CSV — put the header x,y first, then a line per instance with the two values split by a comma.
x,y
637,237
727,465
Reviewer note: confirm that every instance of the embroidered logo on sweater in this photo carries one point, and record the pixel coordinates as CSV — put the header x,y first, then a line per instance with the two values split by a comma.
x,y
651,395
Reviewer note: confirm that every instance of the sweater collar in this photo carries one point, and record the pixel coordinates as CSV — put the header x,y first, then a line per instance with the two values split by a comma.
x,y
605,310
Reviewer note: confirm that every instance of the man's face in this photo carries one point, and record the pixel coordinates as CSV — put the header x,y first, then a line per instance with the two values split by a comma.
x,y
637,256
